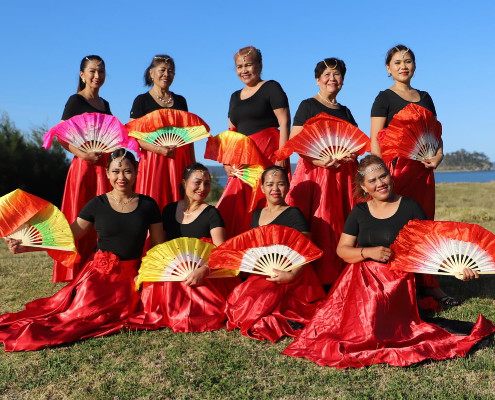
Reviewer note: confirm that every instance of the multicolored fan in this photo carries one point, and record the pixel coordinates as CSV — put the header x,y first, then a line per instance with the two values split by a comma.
x,y
443,248
168,127
262,249
414,133
324,137
37,223
91,132
176,259
251,174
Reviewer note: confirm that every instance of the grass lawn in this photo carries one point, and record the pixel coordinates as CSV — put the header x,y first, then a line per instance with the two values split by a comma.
x,y
226,365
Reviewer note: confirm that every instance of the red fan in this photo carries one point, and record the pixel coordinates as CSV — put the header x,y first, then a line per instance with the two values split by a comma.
x,y
414,133
443,248
324,136
262,249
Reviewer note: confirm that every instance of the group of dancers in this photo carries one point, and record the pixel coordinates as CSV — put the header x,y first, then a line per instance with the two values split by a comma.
x,y
370,314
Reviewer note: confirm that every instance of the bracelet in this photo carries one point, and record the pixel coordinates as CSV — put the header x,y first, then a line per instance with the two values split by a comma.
x,y
362,248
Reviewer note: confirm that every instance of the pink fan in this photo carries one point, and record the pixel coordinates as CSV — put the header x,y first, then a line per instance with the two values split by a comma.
x,y
92,132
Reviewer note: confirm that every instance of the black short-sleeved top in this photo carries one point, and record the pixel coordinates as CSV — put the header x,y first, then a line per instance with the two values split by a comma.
x,y
291,217
121,233
371,231
77,105
311,107
255,113
388,103
208,219
144,104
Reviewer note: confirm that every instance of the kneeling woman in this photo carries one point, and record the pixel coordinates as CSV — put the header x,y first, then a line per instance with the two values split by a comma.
x,y
102,296
270,308
196,304
370,315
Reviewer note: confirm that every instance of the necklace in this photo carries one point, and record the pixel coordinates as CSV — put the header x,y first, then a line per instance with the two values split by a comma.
x,y
333,103
190,213
165,101
122,203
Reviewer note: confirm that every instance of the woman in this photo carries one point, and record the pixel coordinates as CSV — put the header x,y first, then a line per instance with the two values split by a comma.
x,y
322,190
196,304
412,178
160,167
370,315
102,295
87,174
270,308
258,110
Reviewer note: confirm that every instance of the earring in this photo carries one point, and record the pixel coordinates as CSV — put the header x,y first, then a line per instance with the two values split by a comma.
x,y
84,80
389,75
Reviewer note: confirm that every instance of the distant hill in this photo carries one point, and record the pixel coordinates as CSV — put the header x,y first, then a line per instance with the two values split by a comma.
x,y
463,160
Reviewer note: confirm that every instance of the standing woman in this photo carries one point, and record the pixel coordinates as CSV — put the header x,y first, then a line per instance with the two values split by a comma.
x,y
411,178
259,110
160,167
322,190
87,173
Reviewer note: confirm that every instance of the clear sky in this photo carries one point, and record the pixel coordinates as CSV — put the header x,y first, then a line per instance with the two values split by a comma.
x,y
44,41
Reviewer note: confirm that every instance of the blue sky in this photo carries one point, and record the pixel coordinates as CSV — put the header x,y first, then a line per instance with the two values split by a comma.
x,y
43,43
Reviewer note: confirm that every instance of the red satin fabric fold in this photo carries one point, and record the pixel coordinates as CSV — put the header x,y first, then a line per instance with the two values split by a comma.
x,y
182,308
237,196
84,182
325,198
370,317
260,309
94,304
159,177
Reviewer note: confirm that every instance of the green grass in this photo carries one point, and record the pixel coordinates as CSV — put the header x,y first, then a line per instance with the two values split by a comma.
x,y
226,365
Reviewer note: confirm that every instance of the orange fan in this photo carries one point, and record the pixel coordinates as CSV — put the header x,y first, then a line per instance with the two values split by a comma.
x,y
324,137
414,133
443,248
37,223
262,249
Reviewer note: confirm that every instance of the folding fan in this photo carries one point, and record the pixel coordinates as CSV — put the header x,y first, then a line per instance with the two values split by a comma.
x,y
37,223
91,132
324,136
414,133
262,249
175,260
251,174
444,248
168,127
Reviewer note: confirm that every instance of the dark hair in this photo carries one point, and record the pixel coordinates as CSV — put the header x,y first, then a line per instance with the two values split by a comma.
x,y
81,85
157,60
365,162
333,63
395,49
274,168
252,51
122,152
188,172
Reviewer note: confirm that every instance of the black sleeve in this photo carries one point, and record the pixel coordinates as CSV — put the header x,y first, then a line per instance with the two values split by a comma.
x,y
302,114
180,102
380,106
231,103
72,107
416,210
137,109
428,103
255,219
351,226
88,212
154,211
297,220
278,98
214,218
350,117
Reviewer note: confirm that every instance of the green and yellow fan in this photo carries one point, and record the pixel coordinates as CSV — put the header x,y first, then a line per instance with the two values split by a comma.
x,y
251,174
37,223
176,259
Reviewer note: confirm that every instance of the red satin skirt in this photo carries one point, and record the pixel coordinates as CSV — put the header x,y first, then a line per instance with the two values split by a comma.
x,y
370,317
159,177
261,309
182,308
325,197
84,182
237,196
94,304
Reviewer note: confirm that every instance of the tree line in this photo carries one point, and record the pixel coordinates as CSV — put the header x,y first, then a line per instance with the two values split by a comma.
x,y
462,160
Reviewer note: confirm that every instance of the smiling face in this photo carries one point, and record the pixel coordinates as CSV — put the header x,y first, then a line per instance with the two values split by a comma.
x,y
162,75
122,175
248,69
93,74
275,187
401,66
197,186
330,82
377,183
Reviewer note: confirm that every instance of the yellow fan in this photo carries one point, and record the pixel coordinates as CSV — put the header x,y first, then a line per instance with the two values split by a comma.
x,y
175,260
251,174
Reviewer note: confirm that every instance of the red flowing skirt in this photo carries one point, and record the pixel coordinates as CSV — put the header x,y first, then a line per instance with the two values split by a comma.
x,y
182,308
159,177
260,308
94,304
370,317
84,182
236,197
325,197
